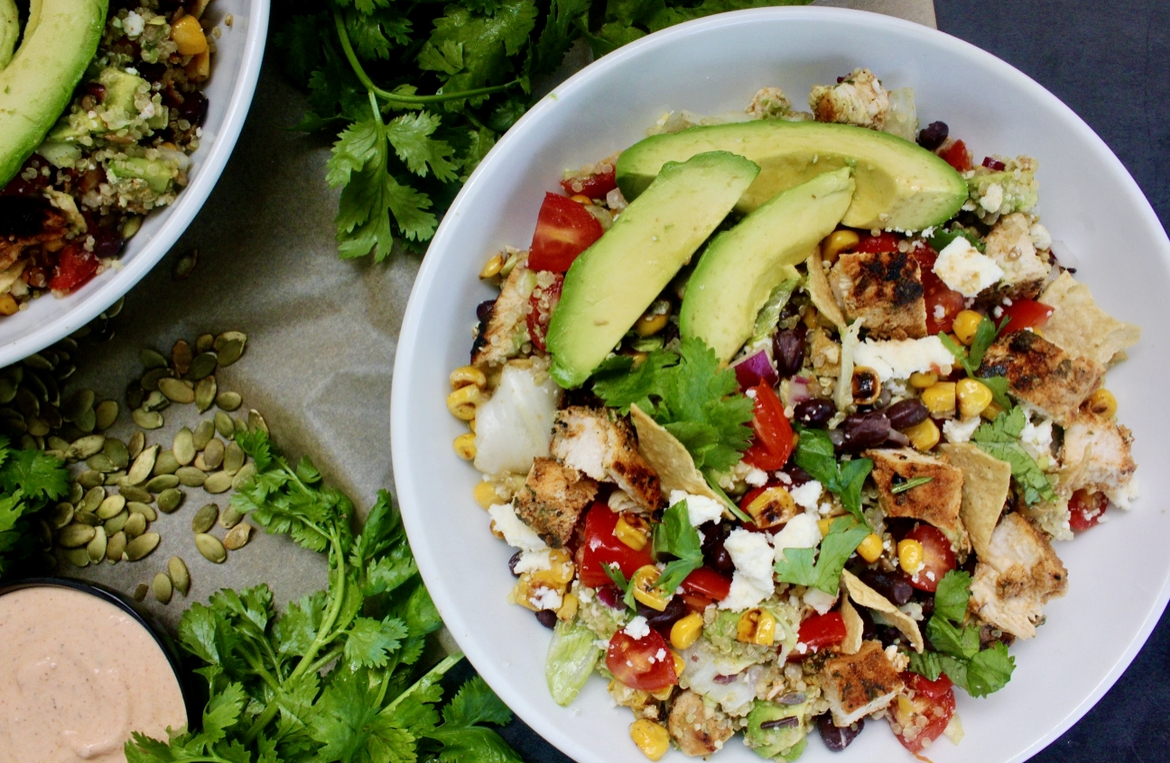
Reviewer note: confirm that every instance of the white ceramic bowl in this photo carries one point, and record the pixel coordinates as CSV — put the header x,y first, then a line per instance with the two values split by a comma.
x,y
235,69
1118,571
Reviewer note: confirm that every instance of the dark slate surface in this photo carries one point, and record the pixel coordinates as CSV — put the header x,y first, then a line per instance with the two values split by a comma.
x,y
1109,61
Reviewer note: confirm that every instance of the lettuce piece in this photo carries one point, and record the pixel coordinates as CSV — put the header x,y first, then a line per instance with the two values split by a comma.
x,y
572,655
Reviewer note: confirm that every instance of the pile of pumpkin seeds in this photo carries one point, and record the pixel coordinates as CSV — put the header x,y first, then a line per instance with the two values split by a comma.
x,y
118,487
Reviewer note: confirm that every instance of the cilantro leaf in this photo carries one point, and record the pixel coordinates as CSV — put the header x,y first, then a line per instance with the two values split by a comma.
x,y
950,598
989,670
675,536
796,565
35,474
942,238
1001,439
815,454
476,703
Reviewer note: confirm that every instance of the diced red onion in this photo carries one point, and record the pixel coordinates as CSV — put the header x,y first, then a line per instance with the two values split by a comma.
x,y
724,680
754,369
995,165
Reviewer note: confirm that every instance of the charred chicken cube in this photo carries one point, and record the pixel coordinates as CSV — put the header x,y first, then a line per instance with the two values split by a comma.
x,y
552,500
883,290
936,502
1042,374
698,730
857,685
605,448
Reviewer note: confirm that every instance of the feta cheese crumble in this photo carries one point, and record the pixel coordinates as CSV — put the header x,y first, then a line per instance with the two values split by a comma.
x,y
800,532
898,358
516,533
753,558
637,628
960,431
700,508
964,269
807,495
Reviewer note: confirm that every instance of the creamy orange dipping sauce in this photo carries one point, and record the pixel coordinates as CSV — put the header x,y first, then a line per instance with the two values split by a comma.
x,y
77,675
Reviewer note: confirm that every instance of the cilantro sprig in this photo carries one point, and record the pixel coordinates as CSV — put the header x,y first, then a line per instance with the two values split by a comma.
x,y
821,568
340,675
675,536
29,481
815,454
1001,439
956,648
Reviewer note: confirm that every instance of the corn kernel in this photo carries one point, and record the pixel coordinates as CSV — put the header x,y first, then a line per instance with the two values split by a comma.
x,y
632,530
8,305
188,36
910,556
867,386
824,524
465,446
992,411
198,68
686,631
581,198
919,380
652,738
836,242
870,548
939,398
973,396
568,608
965,325
1103,403
679,663
471,425
463,402
771,507
493,267
465,375
644,582
663,694
649,325
923,435
485,495
756,626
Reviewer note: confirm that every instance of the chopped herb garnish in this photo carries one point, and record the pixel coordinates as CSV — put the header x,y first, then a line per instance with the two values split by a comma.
x,y
1001,439
908,484
796,565
814,454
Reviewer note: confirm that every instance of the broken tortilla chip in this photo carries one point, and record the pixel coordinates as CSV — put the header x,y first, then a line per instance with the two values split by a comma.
x,y
1081,328
986,485
669,457
871,599
854,627
821,293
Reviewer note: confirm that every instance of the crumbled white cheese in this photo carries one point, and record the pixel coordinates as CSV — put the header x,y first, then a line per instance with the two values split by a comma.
x,y
546,598
1041,238
800,532
898,358
992,198
807,495
133,25
964,269
516,533
756,477
638,628
960,431
1037,440
700,508
819,600
753,558
533,561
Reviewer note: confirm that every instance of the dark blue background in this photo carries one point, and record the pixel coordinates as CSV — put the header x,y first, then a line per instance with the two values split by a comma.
x,y
1110,62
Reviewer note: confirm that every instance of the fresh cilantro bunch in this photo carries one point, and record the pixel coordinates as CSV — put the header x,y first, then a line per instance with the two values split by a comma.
x,y
29,481
339,675
418,92
955,645
1001,439
687,393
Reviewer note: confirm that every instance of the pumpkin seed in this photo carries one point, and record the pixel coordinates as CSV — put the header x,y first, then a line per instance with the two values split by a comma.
x,y
136,444
111,506
77,403
218,482
7,390
145,509
191,476
240,425
230,346
86,422
93,498
162,482
115,547
181,578
39,360
204,519
117,522
150,379
204,342
224,425
106,413
183,447
200,464
136,494
97,546
116,478
75,535
143,466
166,463
86,518
140,592
238,536
78,557
84,447
38,427
135,525
117,451
205,393
204,431
147,419
152,358
169,499
134,395
101,463
210,547
203,365
51,416
185,266
230,517
161,588
140,547
256,421
61,515
228,401
76,493
246,472
26,402
176,390
27,442
213,454
181,356
233,457
156,401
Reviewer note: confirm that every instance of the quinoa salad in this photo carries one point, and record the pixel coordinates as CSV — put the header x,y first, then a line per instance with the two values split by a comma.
x,y
844,520
120,150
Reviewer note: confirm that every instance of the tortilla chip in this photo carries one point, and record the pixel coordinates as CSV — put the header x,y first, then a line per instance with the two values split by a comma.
x,y
986,485
1081,328
871,599
854,626
821,293
669,457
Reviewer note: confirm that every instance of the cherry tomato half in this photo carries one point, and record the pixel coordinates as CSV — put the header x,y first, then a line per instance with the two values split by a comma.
x,y
942,302
1085,509
707,582
934,700
75,266
540,311
564,229
879,244
937,557
820,631
1026,314
957,156
602,547
645,663
773,442
595,186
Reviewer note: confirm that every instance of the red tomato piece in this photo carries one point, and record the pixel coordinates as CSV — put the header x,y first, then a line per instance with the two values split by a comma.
x,y
541,304
932,700
708,583
564,229
75,266
1026,314
942,302
937,557
1085,509
602,547
773,442
957,156
881,243
595,186
820,631
644,663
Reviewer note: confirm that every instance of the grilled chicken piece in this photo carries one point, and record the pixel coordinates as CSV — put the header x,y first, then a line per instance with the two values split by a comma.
x,y
1096,455
1040,373
553,499
698,730
884,290
28,221
1017,576
606,449
937,502
1010,244
858,99
859,684
505,329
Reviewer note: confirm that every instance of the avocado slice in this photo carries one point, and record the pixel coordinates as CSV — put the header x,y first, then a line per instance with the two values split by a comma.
x,y
776,731
613,282
9,30
900,186
742,266
37,84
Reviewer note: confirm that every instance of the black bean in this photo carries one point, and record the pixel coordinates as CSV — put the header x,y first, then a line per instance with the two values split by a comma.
x,y
513,562
894,586
714,552
484,309
933,135
788,350
675,610
837,738
906,413
814,412
547,618
797,475
193,108
97,90
611,597
865,430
